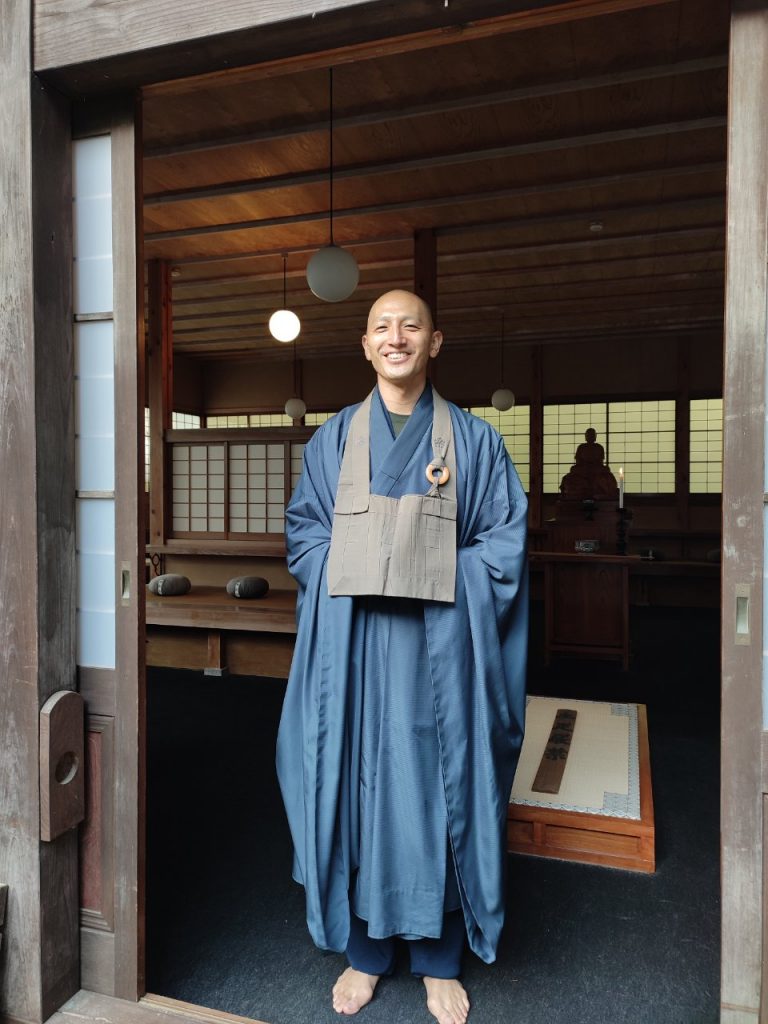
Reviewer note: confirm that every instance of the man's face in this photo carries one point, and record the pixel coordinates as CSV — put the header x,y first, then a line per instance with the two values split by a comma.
x,y
399,339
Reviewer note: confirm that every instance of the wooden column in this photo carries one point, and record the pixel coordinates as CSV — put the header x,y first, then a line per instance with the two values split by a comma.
x,y
743,511
536,493
40,965
683,433
159,347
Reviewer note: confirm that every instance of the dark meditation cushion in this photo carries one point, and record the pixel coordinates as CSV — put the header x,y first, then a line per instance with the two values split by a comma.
x,y
170,584
247,587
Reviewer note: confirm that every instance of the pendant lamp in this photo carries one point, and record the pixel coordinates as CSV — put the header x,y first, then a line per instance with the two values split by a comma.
x,y
284,325
502,398
332,273
295,407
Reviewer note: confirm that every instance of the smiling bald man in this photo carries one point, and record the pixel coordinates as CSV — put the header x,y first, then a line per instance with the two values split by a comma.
x,y
404,712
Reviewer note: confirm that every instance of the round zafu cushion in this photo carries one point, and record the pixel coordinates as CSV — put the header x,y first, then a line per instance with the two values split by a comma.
x,y
247,587
170,584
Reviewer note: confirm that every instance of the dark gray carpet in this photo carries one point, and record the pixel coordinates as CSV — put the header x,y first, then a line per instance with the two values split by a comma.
x,y
582,945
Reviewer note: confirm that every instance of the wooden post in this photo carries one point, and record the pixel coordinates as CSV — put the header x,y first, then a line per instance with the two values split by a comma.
x,y
159,393
743,512
683,433
40,961
536,491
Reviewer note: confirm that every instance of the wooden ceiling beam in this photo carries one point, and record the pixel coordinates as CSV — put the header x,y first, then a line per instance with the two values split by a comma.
x,y
311,311
441,106
461,22
600,305
464,156
450,229
594,243
488,196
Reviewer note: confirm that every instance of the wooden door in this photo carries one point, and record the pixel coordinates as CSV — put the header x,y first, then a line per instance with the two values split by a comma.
x,y
744,786
109,500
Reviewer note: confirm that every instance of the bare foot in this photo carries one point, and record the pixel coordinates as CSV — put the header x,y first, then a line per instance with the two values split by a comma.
x,y
353,990
447,1000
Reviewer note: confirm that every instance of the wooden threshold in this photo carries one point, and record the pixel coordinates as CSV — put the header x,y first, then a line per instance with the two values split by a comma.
x,y
151,1009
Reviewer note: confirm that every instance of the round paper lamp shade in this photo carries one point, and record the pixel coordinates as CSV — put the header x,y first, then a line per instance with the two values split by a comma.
x,y
502,399
332,274
284,325
295,408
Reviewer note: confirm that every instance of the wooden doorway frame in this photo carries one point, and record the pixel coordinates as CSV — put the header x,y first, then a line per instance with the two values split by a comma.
x,y
744,774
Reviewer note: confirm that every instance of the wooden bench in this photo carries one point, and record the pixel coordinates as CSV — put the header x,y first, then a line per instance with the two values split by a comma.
x,y
207,630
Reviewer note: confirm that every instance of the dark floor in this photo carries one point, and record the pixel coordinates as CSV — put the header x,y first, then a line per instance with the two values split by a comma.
x,y
582,945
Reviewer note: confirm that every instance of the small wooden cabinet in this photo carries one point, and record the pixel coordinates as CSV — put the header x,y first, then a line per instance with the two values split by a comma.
x,y
586,605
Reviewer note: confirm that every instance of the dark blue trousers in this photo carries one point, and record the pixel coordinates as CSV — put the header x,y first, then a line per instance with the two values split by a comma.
x,y
433,958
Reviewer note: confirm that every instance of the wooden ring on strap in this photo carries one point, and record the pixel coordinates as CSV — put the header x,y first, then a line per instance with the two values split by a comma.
x,y
442,470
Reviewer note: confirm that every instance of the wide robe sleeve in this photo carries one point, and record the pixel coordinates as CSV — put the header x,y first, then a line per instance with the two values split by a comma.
x,y
311,746
477,652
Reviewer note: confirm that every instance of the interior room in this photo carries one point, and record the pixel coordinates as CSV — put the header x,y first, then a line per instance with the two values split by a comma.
x,y
558,196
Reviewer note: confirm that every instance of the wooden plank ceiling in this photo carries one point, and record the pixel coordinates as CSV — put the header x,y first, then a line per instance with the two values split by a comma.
x,y
574,175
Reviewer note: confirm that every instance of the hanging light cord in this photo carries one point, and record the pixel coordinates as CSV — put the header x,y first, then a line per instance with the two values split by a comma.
x,y
502,349
330,148
285,262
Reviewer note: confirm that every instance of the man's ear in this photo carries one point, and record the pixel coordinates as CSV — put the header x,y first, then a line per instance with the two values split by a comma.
x,y
365,348
437,341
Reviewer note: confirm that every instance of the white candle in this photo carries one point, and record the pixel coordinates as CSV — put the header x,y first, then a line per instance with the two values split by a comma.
x,y
621,487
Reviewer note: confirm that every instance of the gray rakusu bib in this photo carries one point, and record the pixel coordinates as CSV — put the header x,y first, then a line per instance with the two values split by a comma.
x,y
394,547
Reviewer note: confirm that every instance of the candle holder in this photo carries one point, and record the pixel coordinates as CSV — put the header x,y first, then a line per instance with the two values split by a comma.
x,y
622,517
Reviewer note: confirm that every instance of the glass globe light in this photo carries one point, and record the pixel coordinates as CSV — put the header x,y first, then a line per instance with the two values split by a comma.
x,y
284,325
295,408
502,399
332,273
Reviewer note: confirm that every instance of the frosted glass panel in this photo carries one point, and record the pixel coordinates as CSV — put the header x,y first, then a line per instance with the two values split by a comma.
x,y
93,227
96,639
95,407
96,525
93,285
94,349
92,219
92,166
96,582
95,464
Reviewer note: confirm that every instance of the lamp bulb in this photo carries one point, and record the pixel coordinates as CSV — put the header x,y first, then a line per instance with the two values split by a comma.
x,y
502,399
332,273
284,325
295,408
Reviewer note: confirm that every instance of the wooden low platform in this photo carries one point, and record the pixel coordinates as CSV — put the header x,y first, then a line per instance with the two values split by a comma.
x,y
209,631
588,836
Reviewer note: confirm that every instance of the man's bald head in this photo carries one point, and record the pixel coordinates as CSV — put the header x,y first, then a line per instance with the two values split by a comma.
x,y
399,341
398,297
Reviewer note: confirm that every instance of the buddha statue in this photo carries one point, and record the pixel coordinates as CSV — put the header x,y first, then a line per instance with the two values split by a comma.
x,y
588,477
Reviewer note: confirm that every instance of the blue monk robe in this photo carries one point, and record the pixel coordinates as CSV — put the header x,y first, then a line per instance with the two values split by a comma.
x,y
403,719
